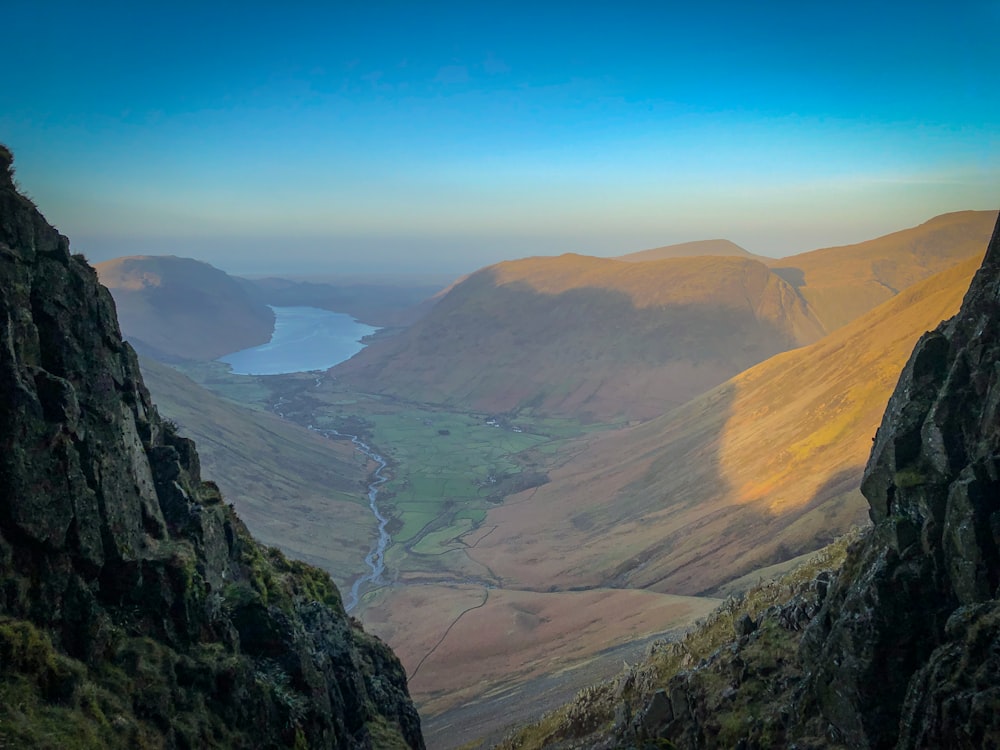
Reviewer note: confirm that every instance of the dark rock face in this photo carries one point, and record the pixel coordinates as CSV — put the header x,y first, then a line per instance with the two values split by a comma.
x,y
906,651
140,593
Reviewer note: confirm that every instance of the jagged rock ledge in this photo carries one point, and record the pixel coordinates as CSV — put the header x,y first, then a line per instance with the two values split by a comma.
x,y
135,608
905,652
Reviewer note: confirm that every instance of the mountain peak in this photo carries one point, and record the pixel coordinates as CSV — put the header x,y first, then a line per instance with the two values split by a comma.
x,y
181,308
688,250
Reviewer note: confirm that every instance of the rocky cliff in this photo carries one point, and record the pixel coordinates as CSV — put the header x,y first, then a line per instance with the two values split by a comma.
x,y
906,651
135,608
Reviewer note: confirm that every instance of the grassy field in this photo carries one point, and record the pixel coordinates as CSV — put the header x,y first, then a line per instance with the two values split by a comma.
x,y
446,469
447,466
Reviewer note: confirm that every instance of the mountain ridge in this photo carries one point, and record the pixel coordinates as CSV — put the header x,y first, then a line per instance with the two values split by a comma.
x,y
844,281
688,250
547,337
886,639
608,339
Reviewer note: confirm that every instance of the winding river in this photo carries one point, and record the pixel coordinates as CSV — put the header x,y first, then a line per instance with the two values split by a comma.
x,y
375,560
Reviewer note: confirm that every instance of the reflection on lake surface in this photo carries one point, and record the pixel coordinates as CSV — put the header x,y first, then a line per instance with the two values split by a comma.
x,y
304,338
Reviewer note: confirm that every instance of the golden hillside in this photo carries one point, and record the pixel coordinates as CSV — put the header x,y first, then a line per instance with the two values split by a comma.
x,y
841,283
764,467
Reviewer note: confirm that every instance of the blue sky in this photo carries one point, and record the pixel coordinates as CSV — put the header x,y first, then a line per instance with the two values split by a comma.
x,y
444,136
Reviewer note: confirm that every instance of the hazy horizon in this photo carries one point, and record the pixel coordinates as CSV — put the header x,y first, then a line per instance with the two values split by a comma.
x,y
438,140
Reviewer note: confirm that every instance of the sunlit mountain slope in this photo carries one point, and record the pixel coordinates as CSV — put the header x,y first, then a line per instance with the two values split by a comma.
x,y
841,283
759,469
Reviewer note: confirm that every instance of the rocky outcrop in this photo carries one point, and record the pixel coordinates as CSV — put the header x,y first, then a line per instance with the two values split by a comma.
x,y
904,654
135,608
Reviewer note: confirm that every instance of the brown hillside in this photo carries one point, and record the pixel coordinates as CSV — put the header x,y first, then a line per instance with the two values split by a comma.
x,y
759,469
841,283
295,489
689,250
589,336
177,308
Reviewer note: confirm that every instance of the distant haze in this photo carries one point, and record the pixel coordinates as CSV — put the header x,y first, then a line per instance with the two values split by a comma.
x,y
395,137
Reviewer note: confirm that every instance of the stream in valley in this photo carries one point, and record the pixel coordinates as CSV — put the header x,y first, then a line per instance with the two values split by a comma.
x,y
375,560
307,339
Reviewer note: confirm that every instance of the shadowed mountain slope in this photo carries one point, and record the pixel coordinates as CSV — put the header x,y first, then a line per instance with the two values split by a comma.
x,y
589,336
175,308
690,250
757,470
841,283
631,338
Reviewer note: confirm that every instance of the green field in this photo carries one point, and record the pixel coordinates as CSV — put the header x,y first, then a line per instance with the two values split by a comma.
x,y
446,469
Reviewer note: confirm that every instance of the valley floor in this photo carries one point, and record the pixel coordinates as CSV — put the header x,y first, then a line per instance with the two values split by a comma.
x,y
478,648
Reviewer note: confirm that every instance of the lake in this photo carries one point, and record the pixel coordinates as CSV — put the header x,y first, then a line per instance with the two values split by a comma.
x,y
304,338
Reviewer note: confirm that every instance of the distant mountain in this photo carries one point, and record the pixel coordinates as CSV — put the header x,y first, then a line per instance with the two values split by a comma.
x,y
631,338
689,250
378,304
589,336
175,308
755,471
841,283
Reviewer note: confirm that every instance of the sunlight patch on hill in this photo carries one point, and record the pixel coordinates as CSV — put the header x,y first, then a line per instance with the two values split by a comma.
x,y
800,418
